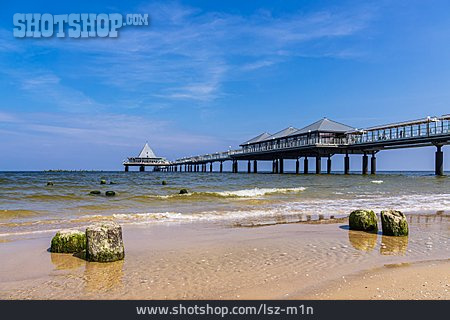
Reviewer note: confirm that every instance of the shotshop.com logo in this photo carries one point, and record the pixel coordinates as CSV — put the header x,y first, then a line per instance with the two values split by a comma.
x,y
74,25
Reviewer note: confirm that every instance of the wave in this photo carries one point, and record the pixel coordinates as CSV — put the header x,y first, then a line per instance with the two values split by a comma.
x,y
377,181
243,193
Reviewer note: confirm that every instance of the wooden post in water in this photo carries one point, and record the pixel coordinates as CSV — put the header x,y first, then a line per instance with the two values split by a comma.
x,y
305,165
255,166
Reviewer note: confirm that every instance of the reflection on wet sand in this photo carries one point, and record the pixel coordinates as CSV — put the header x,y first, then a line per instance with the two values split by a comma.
x,y
64,261
393,245
361,240
103,277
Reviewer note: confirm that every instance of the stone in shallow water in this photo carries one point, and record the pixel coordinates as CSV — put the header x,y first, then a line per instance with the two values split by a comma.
x,y
68,241
184,191
364,220
104,242
110,193
95,192
103,181
394,223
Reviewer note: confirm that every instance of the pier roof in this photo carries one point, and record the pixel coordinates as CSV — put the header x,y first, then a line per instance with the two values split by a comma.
x,y
281,134
324,125
147,152
263,136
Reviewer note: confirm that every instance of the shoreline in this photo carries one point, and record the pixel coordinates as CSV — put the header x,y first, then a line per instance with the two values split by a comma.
x,y
206,261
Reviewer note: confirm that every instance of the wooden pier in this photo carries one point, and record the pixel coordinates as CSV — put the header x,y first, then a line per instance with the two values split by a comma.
x,y
323,139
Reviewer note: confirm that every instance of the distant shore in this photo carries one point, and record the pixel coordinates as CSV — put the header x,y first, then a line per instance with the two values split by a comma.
x,y
207,261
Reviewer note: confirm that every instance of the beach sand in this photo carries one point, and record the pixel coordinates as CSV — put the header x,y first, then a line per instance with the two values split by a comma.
x,y
209,261
428,280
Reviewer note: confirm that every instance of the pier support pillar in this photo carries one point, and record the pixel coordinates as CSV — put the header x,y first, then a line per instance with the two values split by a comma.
x,y
211,167
365,163
305,166
281,162
318,165
346,164
329,165
255,166
297,166
249,167
221,167
373,164
126,168
439,167
273,166
235,166
141,168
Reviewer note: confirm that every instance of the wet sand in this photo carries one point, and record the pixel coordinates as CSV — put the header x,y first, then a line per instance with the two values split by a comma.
x,y
428,280
210,261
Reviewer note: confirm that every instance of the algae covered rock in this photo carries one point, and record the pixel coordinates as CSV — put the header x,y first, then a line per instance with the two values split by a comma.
x,y
164,182
95,192
110,193
394,223
68,241
104,242
103,181
49,183
184,191
364,220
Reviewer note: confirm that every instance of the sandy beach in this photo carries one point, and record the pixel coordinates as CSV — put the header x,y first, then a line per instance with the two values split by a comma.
x,y
210,261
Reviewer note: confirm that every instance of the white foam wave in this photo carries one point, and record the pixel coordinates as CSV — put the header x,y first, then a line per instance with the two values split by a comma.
x,y
257,192
377,181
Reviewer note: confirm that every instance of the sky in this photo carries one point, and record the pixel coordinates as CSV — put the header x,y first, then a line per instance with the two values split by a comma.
x,y
207,75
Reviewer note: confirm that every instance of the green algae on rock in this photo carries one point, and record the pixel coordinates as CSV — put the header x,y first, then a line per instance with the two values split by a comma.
x,y
104,242
68,241
394,223
364,220
95,192
110,193
184,191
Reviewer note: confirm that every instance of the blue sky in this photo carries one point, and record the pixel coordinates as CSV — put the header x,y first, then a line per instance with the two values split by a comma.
x,y
205,75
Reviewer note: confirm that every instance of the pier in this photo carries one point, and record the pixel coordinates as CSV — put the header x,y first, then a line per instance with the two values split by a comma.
x,y
321,139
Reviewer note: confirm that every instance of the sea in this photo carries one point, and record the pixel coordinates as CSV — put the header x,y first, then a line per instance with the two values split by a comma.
x,y
43,202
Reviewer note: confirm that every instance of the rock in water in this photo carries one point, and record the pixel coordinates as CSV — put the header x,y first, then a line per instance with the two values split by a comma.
x,y
110,193
49,183
68,241
184,191
164,182
103,181
95,192
104,242
394,223
365,220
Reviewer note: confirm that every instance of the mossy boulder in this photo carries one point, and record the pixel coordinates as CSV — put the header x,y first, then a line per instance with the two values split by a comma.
x,y
184,191
110,193
364,220
164,182
95,192
104,242
394,223
68,241
103,181
49,183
